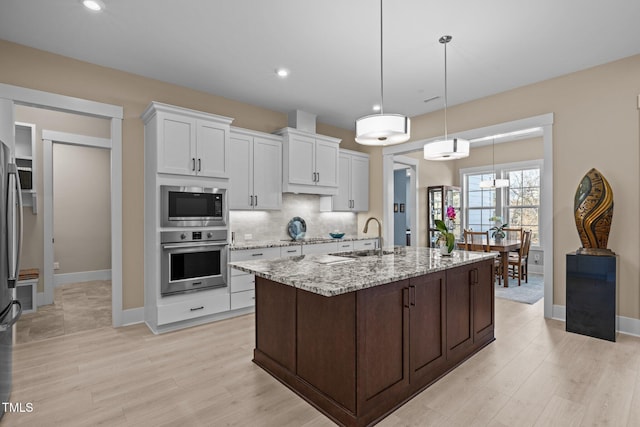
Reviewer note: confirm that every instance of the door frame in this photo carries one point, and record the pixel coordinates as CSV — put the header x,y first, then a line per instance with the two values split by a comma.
x,y
114,113
48,138
545,122
413,166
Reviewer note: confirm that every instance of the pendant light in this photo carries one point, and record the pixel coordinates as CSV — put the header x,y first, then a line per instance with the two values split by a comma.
x,y
494,183
382,129
446,149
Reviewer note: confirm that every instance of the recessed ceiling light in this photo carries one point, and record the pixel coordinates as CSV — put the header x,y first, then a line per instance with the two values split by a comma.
x,y
94,5
376,107
281,72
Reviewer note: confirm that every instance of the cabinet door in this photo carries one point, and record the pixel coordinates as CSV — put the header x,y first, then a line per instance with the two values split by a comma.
x,y
212,150
483,302
426,327
176,146
359,183
320,248
267,174
301,163
459,312
327,163
383,347
342,201
240,172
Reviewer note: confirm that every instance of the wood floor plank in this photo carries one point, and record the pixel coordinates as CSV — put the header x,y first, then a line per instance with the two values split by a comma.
x,y
535,373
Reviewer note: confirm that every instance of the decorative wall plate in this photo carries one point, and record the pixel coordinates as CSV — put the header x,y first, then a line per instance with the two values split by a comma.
x,y
297,228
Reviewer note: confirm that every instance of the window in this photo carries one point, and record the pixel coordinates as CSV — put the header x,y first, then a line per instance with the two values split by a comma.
x,y
518,204
523,204
480,202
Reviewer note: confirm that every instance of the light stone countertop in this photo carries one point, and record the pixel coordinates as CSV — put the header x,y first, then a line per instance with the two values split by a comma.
x,y
311,273
290,242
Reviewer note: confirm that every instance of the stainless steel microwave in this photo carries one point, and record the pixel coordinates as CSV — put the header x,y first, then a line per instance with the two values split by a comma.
x,y
193,206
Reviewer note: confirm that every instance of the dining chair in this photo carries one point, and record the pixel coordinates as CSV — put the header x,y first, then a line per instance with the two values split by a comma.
x,y
518,263
513,233
479,241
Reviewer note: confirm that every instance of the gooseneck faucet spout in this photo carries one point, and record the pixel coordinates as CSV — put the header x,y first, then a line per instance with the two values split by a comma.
x,y
366,229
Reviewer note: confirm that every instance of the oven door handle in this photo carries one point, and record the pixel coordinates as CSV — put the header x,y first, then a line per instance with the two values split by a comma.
x,y
192,245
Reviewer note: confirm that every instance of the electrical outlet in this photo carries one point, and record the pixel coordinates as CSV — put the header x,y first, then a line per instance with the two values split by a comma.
x,y
248,236
536,258
56,266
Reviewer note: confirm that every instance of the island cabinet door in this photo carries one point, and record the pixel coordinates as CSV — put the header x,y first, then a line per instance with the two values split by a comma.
x,y
426,328
459,297
483,303
383,347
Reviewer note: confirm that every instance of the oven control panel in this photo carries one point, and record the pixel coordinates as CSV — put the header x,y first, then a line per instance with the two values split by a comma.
x,y
193,236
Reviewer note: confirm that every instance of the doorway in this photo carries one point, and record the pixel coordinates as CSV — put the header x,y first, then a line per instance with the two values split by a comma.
x,y
401,206
15,95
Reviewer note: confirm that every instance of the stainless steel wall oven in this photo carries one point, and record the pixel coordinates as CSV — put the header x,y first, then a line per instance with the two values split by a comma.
x,y
193,260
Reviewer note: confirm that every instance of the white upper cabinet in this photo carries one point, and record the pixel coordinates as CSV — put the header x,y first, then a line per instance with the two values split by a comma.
x,y
310,162
353,189
190,142
255,176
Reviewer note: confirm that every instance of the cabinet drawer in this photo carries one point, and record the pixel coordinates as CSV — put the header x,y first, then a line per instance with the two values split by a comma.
x,y
320,248
243,299
345,246
251,254
359,245
185,310
286,251
243,282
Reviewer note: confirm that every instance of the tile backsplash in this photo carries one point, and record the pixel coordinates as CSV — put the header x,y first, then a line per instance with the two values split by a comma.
x,y
272,225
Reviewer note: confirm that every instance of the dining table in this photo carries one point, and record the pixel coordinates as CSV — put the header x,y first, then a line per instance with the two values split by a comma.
x,y
503,246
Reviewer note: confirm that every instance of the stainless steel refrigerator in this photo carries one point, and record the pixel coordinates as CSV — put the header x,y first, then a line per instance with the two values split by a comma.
x,y
10,246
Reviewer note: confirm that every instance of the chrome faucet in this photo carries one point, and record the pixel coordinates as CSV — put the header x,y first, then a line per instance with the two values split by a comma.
x,y
366,228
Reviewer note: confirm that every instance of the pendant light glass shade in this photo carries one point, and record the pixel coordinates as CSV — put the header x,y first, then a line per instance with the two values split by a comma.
x,y
447,149
382,129
494,183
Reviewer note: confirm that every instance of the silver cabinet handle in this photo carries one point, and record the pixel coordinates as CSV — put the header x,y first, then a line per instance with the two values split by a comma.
x,y
197,308
291,251
313,177
318,180
199,165
250,200
260,254
193,164
256,199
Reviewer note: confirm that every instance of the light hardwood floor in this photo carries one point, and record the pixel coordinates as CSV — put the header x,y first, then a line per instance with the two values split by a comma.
x,y
535,373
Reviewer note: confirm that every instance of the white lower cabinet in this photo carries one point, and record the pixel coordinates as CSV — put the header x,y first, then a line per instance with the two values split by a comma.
x,y
320,248
185,310
243,299
345,246
359,245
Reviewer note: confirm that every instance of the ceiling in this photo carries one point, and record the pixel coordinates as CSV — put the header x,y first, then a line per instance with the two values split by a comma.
x,y
332,48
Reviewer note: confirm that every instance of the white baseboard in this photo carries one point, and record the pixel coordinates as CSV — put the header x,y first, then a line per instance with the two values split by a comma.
x,y
83,276
132,316
536,268
624,325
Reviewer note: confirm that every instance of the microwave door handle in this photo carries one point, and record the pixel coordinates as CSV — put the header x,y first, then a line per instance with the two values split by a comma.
x,y
192,245
16,227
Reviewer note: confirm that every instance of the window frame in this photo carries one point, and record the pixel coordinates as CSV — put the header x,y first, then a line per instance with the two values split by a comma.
x,y
502,198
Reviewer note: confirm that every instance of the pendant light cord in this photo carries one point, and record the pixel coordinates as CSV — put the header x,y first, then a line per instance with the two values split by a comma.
x,y
381,66
446,137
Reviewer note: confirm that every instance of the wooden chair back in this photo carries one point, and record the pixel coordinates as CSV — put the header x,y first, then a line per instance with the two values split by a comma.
x,y
526,244
514,233
476,240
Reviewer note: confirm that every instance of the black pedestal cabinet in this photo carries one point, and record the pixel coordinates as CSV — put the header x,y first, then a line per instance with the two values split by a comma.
x,y
592,295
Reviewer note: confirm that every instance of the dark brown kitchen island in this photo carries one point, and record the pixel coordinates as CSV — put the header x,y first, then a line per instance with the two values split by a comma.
x,y
359,350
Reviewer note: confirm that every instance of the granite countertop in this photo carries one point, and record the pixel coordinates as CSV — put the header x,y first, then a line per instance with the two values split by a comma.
x,y
330,275
290,242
